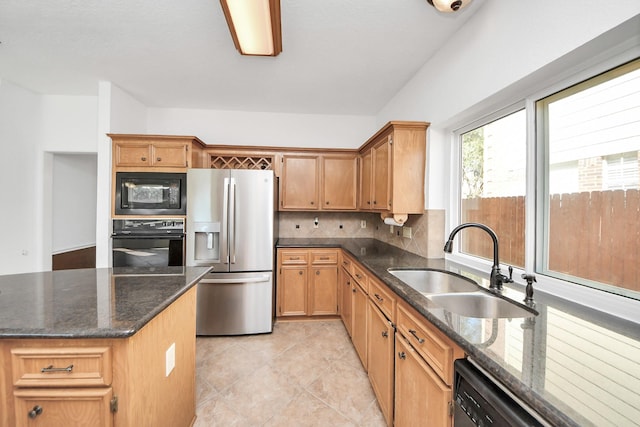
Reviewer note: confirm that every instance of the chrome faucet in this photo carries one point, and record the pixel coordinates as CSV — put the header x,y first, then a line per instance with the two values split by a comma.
x,y
497,278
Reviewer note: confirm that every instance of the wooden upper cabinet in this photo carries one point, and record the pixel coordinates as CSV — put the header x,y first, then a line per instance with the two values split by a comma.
x,y
319,182
299,182
139,152
339,182
366,166
392,170
381,173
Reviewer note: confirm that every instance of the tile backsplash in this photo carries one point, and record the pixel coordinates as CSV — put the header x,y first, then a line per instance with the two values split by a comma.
x,y
427,230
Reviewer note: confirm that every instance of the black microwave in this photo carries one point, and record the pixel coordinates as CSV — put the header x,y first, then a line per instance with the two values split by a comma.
x,y
150,193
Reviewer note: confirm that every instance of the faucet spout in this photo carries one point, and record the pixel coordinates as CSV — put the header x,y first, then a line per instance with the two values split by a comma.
x,y
497,278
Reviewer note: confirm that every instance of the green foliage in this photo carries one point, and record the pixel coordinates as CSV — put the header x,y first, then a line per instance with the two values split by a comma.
x,y
473,163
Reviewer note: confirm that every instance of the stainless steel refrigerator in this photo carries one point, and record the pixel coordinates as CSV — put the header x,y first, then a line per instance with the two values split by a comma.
x,y
230,226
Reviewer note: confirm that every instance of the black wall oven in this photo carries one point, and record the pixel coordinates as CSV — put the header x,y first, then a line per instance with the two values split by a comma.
x,y
148,242
150,193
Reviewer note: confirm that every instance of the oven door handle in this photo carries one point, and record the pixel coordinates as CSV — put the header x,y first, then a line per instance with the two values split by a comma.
x,y
146,236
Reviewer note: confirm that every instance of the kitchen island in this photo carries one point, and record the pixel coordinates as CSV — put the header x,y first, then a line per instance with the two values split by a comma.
x,y
572,365
100,347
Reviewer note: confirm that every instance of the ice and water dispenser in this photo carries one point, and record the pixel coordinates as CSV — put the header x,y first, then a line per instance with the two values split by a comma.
x,y
206,241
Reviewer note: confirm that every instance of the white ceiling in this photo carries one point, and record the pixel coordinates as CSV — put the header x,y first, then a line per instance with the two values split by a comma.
x,y
339,56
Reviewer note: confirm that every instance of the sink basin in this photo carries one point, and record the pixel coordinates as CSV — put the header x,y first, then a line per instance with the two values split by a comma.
x,y
480,304
429,281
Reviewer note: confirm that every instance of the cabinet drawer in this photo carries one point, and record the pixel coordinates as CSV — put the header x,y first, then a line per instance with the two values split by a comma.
x,y
360,276
61,367
63,407
294,257
431,345
324,257
383,298
346,263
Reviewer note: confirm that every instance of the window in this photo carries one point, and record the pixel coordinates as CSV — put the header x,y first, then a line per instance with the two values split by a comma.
x,y
583,205
493,187
591,136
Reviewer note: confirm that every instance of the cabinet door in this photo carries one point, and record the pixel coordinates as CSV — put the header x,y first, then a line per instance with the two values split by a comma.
x,y
382,175
292,291
299,182
339,182
359,325
323,290
170,155
380,345
133,154
365,181
63,407
421,398
346,308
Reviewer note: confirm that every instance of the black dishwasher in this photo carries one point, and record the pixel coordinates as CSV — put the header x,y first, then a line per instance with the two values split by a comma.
x,y
480,402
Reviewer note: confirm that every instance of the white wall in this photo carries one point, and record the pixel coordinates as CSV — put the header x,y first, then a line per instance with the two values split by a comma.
x,y
69,123
505,41
20,133
264,129
118,112
73,201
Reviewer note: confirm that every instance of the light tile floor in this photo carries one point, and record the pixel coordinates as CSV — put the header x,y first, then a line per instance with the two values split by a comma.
x,y
303,374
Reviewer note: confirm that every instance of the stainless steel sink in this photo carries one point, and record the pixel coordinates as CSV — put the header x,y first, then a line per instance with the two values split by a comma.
x,y
480,304
429,281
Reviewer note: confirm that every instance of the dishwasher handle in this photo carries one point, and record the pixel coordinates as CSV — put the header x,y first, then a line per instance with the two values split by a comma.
x,y
264,278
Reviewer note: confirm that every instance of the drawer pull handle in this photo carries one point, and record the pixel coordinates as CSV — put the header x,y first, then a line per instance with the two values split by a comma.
x,y
385,334
50,368
37,410
294,257
413,332
378,297
402,355
358,276
324,257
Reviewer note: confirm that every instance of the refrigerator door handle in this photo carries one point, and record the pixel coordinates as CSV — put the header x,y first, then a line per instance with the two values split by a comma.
x,y
232,219
239,280
225,219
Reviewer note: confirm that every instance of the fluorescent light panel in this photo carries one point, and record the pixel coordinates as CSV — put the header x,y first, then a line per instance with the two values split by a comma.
x,y
254,25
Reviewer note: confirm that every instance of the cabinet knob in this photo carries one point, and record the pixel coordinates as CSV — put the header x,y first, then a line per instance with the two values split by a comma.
x,y
300,272
385,334
327,202
353,290
158,159
37,410
311,202
402,355
144,159
317,272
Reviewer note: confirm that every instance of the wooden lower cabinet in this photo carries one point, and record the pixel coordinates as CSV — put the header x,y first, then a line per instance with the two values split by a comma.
x,y
307,282
380,342
421,398
323,290
359,318
63,407
292,291
104,381
346,297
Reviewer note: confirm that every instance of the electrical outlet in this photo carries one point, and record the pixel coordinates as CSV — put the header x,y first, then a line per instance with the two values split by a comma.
x,y
391,229
363,223
170,359
406,232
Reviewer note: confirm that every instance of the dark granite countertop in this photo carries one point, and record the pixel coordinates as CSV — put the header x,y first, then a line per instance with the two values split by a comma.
x,y
573,365
89,303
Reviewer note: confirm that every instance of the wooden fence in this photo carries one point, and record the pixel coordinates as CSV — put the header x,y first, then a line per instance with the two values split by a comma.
x,y
593,235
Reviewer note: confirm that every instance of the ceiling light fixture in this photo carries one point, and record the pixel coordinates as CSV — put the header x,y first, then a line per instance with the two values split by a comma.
x,y
254,26
448,5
